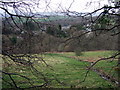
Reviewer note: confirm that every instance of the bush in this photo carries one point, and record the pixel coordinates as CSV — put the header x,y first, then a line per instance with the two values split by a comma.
x,y
13,40
78,52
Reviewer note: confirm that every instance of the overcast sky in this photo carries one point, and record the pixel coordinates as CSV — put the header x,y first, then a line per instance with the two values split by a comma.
x,y
63,5
75,5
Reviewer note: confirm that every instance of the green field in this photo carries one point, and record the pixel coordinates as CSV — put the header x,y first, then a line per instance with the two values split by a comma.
x,y
65,70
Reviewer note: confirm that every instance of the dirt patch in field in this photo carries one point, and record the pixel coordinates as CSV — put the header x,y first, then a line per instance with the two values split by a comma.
x,y
87,59
91,59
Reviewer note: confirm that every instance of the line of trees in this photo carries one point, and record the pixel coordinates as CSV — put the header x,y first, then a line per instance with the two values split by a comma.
x,y
53,36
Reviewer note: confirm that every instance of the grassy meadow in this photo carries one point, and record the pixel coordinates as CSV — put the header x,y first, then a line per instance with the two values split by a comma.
x,y
65,70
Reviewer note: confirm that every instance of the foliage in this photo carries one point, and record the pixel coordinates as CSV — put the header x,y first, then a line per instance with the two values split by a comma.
x,y
78,52
104,22
55,31
30,26
13,39
79,27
